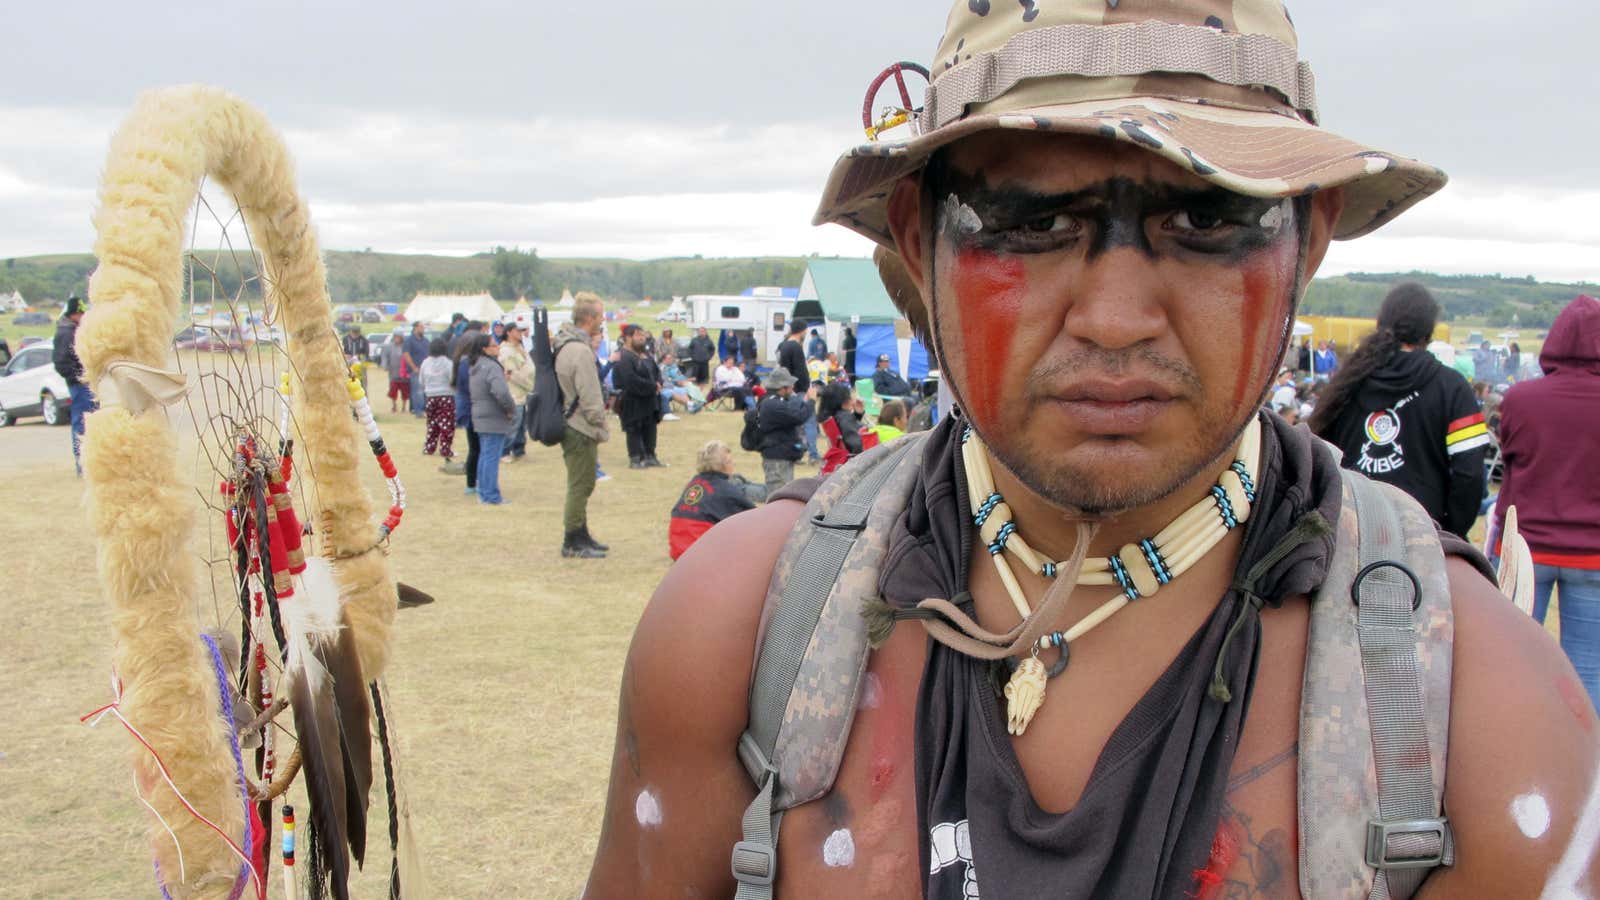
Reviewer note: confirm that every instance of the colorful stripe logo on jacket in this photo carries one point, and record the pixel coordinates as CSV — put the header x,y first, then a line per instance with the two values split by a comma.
x,y
1466,433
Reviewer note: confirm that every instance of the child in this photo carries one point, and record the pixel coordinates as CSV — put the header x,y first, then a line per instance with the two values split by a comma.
x,y
441,400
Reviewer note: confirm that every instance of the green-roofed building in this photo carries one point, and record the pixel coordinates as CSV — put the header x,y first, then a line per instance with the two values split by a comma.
x,y
851,294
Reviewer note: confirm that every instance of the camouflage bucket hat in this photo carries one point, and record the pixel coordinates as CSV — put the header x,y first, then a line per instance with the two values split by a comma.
x,y
1213,86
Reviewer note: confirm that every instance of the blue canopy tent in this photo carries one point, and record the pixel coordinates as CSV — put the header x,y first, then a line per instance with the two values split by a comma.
x,y
851,293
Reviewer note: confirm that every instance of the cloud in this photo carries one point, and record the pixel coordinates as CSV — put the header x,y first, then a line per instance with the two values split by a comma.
x,y
633,187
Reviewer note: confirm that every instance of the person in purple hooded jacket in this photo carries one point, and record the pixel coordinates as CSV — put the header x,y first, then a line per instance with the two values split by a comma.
x,y
1549,429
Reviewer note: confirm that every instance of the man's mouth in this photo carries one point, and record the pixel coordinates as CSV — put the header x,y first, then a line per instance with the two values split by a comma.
x,y
1113,406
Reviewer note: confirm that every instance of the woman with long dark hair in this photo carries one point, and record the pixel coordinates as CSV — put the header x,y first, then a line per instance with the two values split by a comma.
x,y
493,413
1402,417
462,380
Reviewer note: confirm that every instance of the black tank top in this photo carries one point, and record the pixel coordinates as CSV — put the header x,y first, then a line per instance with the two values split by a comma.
x,y
1147,816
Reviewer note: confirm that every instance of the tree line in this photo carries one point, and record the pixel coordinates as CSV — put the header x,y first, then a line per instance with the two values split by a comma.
x,y
362,276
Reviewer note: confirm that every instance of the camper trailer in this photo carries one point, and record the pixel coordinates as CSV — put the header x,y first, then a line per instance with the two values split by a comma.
x,y
764,310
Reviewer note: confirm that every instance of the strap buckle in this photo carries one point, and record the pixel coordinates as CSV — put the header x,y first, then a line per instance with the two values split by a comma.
x,y
754,864
1379,835
755,762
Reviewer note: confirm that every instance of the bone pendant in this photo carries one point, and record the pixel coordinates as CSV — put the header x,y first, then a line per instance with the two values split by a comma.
x,y
1024,695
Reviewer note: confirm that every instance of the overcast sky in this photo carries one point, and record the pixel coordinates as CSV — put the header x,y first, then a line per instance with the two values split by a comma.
x,y
648,129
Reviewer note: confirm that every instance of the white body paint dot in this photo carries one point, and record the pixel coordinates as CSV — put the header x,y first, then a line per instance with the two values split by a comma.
x,y
1532,815
647,809
871,692
839,849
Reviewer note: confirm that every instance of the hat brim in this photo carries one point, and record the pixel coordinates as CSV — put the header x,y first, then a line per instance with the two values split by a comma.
x,y
1251,152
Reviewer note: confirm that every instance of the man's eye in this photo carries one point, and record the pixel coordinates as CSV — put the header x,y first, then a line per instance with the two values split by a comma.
x,y
1194,220
1049,224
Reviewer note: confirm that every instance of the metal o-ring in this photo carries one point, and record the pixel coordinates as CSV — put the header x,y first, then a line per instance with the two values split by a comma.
x,y
1416,584
1060,665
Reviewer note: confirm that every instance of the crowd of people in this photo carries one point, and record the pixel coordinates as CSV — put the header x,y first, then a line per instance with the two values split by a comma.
x,y
480,378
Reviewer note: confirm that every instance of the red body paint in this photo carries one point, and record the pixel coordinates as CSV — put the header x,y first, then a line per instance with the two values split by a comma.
x,y
989,288
1577,700
1208,882
891,726
1262,307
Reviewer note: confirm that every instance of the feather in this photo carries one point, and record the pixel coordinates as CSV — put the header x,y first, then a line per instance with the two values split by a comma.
x,y
316,723
355,736
410,596
332,716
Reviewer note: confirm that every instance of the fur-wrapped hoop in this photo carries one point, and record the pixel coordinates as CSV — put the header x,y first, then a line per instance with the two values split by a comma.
x,y
330,618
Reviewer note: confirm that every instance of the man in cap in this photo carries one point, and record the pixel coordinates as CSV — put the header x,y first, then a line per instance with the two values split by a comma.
x,y
64,354
887,383
1106,257
780,417
416,347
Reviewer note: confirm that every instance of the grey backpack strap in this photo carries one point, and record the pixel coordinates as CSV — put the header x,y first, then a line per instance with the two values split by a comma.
x,y
814,625
1376,703
1409,837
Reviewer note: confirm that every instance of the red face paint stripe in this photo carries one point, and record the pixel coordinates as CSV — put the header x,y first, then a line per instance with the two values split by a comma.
x,y
989,288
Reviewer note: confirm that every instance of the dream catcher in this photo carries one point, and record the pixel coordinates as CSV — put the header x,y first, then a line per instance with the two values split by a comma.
x,y
247,571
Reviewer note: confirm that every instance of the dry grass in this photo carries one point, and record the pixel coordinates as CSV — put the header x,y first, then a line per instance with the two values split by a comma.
x,y
504,690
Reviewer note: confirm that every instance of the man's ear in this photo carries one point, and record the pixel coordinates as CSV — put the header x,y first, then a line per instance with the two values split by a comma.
x,y
905,226
1326,205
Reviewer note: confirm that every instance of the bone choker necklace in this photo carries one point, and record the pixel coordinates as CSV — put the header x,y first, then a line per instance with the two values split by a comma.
x,y
1140,569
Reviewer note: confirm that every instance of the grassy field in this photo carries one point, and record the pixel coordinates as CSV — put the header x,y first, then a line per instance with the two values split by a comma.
x,y
504,690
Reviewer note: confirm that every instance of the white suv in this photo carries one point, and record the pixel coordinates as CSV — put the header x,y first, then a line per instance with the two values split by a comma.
x,y
30,386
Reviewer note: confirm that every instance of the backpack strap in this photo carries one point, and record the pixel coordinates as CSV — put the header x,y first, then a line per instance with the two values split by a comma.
x,y
813,648
1375,707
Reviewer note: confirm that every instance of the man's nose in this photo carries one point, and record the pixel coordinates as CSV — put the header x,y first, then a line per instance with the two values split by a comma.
x,y
1116,300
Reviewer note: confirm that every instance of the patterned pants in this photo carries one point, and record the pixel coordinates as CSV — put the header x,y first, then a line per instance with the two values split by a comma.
x,y
441,425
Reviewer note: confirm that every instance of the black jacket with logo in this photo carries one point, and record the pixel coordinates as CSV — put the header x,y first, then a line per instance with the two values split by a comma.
x,y
1415,424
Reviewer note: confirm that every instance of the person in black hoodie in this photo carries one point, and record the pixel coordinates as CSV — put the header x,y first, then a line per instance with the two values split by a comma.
x,y
1401,416
64,355
638,382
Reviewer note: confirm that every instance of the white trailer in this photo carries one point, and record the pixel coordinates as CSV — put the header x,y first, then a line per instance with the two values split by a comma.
x,y
766,313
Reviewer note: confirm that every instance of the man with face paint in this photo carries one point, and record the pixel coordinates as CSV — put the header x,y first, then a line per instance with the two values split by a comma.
x,y
1106,255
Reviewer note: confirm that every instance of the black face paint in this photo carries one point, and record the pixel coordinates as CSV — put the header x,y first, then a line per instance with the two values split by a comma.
x,y
1154,219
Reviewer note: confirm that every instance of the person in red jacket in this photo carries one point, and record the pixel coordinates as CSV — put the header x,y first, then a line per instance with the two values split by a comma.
x,y
1549,429
713,494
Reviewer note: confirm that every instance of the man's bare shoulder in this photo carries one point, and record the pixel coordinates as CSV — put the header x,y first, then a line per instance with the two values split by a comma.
x,y
1523,752
677,790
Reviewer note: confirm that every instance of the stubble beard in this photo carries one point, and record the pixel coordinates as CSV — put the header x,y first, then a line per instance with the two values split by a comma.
x,y
1091,493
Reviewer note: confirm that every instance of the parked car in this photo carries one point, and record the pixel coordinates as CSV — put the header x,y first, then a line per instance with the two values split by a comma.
x,y
345,313
207,337
30,386
31,318
371,314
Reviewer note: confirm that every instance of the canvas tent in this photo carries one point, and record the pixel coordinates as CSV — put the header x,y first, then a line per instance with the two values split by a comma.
x,y
566,298
850,292
436,309
13,303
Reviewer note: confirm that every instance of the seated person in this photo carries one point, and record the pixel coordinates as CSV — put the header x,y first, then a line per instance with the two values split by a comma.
x,y
891,422
713,494
675,386
729,381
838,404
835,368
887,383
